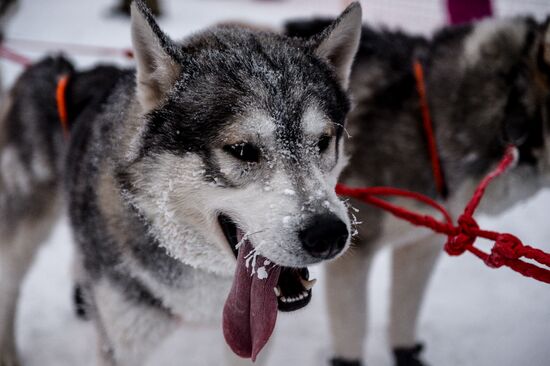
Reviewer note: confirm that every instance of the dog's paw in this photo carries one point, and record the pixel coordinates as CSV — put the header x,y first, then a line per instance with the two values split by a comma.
x,y
408,356
344,362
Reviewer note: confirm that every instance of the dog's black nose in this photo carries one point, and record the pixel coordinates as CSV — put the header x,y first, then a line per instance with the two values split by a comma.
x,y
325,236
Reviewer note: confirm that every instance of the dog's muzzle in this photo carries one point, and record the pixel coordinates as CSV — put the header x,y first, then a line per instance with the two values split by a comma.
x,y
294,286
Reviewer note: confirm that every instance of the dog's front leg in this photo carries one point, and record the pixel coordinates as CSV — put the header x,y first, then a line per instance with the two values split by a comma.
x,y
129,328
411,268
346,290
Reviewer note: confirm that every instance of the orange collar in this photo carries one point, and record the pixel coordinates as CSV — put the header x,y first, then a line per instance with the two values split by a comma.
x,y
427,125
60,97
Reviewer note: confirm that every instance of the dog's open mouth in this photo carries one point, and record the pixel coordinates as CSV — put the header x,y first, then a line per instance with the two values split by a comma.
x,y
293,289
260,288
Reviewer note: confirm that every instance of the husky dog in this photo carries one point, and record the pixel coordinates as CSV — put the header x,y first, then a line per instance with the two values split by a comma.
x,y
487,86
32,150
226,145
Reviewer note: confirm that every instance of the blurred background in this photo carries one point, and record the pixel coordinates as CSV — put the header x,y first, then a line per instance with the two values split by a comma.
x,y
472,316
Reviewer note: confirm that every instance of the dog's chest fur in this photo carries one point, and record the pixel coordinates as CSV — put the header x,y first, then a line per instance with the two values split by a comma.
x,y
116,242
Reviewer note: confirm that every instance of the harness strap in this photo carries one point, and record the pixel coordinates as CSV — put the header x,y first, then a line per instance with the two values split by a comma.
x,y
13,56
65,47
507,249
427,125
61,99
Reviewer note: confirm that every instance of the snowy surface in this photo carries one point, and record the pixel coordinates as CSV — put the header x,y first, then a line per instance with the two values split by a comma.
x,y
473,315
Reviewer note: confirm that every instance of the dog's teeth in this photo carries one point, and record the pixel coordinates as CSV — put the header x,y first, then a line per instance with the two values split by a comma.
x,y
304,294
283,299
301,297
277,291
308,284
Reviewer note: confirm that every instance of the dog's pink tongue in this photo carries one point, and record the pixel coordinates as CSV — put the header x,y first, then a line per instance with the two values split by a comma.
x,y
250,310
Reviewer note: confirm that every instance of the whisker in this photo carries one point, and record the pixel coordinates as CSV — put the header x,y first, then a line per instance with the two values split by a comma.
x,y
343,127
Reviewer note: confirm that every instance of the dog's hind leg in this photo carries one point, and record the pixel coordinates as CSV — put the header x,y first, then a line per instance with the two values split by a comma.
x,y
346,289
411,268
129,329
11,275
16,254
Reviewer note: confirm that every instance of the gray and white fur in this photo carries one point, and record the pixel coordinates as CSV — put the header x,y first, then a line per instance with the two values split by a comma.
x,y
487,86
32,151
230,121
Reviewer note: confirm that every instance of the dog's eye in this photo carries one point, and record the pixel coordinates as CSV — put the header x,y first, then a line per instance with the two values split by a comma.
x,y
323,143
244,151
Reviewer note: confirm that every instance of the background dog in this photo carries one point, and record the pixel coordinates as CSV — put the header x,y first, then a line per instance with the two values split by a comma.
x,y
487,86
228,143
32,162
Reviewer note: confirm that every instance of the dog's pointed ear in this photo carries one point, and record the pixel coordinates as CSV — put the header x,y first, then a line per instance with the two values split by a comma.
x,y
156,58
338,43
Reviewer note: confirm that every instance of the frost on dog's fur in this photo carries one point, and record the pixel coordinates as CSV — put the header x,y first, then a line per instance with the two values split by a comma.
x,y
161,171
183,186
150,171
254,117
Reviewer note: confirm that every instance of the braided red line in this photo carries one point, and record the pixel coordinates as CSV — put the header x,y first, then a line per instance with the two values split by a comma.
x,y
536,255
507,249
509,157
369,195
437,171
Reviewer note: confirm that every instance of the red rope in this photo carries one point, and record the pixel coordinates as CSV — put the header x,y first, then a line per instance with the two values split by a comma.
x,y
9,54
71,47
507,249
437,172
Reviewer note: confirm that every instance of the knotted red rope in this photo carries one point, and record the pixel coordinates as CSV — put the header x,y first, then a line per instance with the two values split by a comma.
x,y
507,249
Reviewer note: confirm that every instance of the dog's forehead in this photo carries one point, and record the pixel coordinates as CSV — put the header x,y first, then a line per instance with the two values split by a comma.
x,y
266,65
239,85
258,124
250,125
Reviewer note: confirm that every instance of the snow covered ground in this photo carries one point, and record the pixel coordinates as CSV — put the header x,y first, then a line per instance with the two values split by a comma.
x,y
473,315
